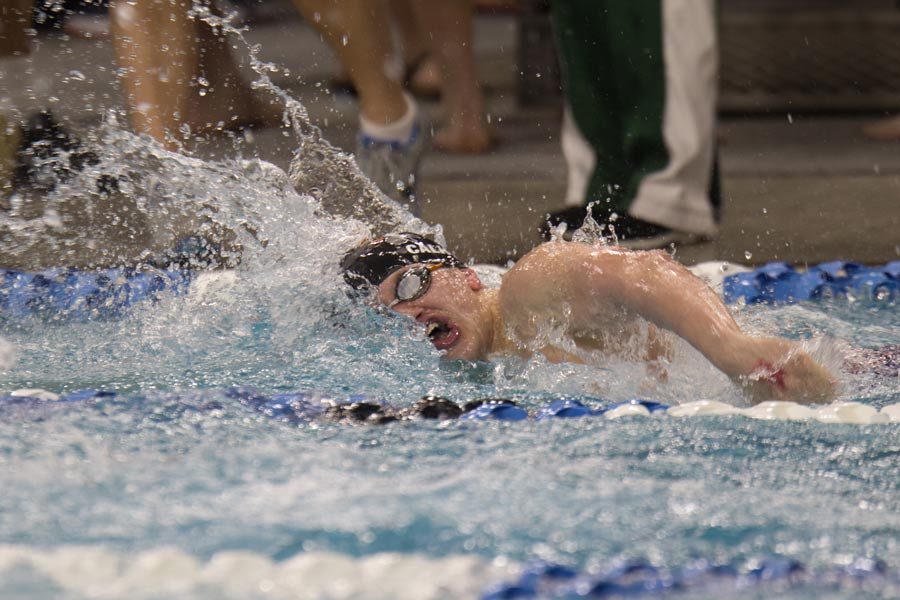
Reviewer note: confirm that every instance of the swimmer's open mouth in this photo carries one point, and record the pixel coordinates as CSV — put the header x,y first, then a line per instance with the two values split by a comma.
x,y
443,335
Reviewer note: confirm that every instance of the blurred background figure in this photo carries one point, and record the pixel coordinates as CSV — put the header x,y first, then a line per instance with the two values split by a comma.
x,y
179,76
391,136
448,26
411,61
15,19
639,126
434,57
35,151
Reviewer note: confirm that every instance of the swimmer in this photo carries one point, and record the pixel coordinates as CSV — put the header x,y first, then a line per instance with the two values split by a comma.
x,y
574,302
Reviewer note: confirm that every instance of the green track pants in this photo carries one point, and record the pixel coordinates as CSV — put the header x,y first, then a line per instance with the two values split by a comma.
x,y
640,85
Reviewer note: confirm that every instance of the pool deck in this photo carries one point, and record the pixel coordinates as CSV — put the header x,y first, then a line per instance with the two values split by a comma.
x,y
799,188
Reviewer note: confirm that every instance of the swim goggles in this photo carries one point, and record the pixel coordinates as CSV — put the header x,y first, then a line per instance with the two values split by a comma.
x,y
414,283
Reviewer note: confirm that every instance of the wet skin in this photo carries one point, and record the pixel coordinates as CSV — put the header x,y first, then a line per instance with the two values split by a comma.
x,y
455,311
605,301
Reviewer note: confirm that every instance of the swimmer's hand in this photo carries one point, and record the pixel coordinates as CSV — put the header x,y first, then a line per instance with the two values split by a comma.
x,y
779,370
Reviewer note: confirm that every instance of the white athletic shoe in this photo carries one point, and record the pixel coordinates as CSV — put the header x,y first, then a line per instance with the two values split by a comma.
x,y
393,165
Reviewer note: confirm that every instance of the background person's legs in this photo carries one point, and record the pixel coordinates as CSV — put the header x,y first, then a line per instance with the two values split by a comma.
x,y
638,135
614,95
390,141
156,48
449,24
683,196
421,73
15,19
411,63
359,33
179,76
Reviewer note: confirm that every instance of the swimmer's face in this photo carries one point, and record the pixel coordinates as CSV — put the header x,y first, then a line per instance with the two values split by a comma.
x,y
448,310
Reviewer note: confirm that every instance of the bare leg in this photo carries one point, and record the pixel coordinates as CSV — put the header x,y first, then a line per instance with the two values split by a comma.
x,y
15,18
165,54
423,74
356,30
154,42
450,26
412,64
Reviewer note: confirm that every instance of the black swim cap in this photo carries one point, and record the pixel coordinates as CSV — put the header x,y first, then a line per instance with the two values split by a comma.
x,y
372,262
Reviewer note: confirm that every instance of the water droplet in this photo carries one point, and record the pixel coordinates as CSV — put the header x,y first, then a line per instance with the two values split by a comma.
x,y
202,81
765,211
748,255
77,75
790,118
345,39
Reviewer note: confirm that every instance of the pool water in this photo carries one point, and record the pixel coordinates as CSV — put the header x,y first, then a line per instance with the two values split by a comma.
x,y
173,488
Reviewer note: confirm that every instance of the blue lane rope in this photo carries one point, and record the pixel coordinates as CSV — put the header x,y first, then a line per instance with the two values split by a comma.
x,y
307,406
641,579
69,294
779,283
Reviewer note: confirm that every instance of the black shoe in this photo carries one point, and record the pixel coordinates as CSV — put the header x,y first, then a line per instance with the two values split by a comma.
x,y
621,230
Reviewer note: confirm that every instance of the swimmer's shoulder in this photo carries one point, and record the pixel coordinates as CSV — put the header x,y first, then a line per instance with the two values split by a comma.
x,y
547,270
536,266
555,259
564,271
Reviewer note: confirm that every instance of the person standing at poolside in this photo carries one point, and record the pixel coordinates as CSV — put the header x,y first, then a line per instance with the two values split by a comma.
x,y
573,302
638,132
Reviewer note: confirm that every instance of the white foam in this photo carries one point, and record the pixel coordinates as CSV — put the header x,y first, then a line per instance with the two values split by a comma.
x,y
779,411
703,407
714,272
627,410
850,412
97,572
490,275
35,393
7,355
210,286
839,412
892,411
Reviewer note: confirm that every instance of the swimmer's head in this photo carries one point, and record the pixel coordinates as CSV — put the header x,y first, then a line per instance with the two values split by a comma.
x,y
373,261
408,275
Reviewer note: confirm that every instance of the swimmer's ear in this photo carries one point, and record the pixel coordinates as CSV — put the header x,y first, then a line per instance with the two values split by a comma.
x,y
473,280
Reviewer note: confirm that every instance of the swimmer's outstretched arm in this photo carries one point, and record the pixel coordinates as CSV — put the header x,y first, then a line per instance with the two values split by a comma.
x,y
662,291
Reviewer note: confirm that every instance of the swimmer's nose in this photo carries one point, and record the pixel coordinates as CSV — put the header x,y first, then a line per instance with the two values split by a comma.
x,y
404,308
